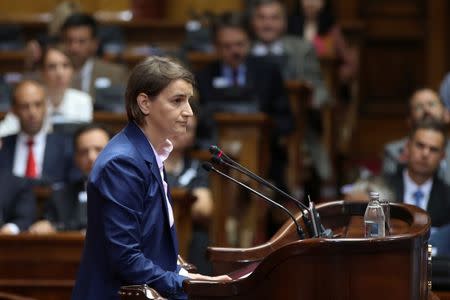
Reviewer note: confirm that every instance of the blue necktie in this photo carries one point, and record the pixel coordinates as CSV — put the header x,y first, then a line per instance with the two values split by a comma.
x,y
418,197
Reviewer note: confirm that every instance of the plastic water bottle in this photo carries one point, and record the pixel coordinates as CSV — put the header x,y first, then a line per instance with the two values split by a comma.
x,y
374,220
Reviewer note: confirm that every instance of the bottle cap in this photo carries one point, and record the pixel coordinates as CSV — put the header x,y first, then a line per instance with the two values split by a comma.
x,y
373,195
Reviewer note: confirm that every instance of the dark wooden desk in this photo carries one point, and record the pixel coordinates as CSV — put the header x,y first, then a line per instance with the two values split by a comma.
x,y
45,266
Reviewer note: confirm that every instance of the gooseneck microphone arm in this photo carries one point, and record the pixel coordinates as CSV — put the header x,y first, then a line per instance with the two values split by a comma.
x,y
315,228
209,167
234,165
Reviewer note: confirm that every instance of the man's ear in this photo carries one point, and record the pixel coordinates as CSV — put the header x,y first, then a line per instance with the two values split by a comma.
x,y
144,103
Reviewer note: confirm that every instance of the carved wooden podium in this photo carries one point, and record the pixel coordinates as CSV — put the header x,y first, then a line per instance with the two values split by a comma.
x,y
347,266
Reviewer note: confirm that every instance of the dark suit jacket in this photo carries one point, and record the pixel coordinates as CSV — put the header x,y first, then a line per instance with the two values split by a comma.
x,y
128,239
58,162
439,203
263,79
17,202
64,209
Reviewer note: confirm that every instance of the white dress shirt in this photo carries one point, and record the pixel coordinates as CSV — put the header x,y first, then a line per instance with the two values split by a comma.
x,y
261,49
75,107
86,75
21,153
410,187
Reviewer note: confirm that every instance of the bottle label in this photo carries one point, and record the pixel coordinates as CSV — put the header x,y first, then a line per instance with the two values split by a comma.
x,y
373,229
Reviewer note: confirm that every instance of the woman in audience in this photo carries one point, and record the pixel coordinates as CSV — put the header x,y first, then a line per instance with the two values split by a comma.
x,y
315,23
65,105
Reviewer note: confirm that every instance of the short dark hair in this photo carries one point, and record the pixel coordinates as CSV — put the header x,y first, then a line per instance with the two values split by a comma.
x,y
81,19
255,4
230,20
53,46
86,128
150,77
430,124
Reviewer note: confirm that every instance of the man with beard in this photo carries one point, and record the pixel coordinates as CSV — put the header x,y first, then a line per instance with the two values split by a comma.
x,y
424,104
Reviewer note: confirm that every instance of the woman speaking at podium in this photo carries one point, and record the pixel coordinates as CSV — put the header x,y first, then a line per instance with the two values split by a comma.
x,y
131,235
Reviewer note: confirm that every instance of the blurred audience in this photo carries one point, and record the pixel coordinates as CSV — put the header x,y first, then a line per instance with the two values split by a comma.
x,y
186,172
417,182
34,153
67,207
64,104
17,204
79,34
315,22
296,57
35,47
361,188
424,104
444,91
236,78
297,60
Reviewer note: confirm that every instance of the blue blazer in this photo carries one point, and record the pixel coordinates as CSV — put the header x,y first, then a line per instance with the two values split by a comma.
x,y
128,238
57,164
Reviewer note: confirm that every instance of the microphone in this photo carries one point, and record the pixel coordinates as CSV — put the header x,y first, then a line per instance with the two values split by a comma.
x,y
315,228
209,167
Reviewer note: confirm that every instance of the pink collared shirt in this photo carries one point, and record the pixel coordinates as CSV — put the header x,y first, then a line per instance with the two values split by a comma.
x,y
161,156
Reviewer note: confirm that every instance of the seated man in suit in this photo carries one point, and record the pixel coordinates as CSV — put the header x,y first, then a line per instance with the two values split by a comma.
x,y
79,33
417,183
259,82
424,104
296,57
67,207
34,153
297,60
17,204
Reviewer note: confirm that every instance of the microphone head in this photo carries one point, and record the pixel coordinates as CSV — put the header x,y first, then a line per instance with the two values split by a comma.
x,y
207,166
213,149
216,160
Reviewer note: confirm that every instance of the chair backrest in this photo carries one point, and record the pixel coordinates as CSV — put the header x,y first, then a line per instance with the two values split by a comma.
x,y
110,99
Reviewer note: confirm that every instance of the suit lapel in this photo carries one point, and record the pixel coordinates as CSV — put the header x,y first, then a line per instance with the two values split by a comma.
x,y
142,145
434,202
8,149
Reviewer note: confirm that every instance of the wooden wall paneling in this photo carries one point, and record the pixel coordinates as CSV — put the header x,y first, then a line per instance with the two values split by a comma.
x,y
436,42
393,58
392,71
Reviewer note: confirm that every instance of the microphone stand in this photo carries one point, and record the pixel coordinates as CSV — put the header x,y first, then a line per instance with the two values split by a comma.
x,y
313,223
209,167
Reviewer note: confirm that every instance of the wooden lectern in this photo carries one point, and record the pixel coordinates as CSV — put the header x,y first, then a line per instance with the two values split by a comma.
x,y
347,266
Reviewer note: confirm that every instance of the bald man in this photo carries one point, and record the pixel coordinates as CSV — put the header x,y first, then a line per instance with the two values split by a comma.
x,y
33,153
424,104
